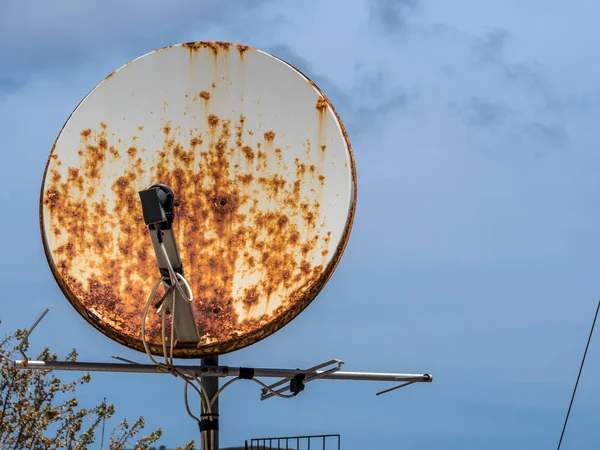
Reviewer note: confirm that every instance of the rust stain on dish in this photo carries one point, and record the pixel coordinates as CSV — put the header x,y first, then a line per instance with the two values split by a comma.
x,y
103,258
214,46
164,48
321,104
205,95
242,49
193,46
248,152
346,236
321,108
346,139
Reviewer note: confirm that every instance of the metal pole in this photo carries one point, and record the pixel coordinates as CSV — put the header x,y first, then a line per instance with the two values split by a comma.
x,y
210,421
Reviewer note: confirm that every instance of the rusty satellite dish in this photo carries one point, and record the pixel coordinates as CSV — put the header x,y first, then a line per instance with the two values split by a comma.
x,y
263,176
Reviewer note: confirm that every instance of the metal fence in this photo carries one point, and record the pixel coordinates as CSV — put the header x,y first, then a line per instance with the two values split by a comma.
x,y
317,442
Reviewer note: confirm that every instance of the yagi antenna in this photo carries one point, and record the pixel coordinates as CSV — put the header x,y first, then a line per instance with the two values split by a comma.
x,y
230,172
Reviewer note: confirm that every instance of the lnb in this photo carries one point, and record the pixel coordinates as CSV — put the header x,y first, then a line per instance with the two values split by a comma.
x,y
158,206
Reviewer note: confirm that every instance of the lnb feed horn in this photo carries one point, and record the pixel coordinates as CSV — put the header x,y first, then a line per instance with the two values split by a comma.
x,y
158,209
158,206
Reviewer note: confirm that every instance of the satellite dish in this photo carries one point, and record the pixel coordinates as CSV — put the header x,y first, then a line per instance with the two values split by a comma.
x,y
264,183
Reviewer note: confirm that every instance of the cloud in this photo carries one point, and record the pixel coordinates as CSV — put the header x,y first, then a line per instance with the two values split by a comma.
x,y
7,86
490,48
491,51
509,125
38,41
393,15
370,99
552,134
341,100
481,112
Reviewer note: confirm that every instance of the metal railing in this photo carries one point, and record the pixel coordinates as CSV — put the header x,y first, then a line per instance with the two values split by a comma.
x,y
316,442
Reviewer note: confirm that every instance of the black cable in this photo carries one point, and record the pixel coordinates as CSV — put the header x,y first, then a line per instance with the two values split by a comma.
x,y
578,376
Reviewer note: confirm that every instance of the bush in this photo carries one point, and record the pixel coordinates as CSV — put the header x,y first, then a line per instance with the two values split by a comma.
x,y
40,412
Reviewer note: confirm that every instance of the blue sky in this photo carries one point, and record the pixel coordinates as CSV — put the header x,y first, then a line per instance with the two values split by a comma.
x,y
474,252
